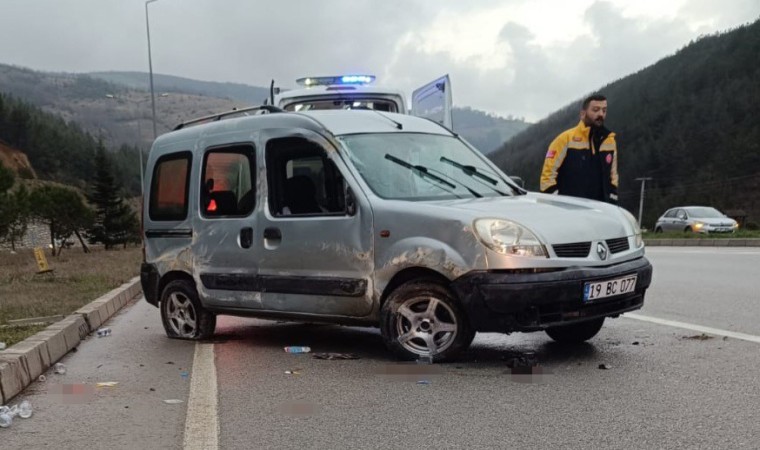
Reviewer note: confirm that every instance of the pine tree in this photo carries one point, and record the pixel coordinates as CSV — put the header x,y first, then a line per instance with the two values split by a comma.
x,y
114,220
20,211
6,182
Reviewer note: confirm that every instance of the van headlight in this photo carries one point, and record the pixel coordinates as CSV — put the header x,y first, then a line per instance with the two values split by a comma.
x,y
639,241
508,238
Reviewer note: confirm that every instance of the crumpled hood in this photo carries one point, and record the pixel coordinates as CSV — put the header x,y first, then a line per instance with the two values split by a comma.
x,y
554,219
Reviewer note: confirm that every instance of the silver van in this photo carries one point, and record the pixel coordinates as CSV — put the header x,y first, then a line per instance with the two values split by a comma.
x,y
374,219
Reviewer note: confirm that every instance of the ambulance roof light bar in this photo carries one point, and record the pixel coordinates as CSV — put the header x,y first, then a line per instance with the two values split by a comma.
x,y
336,80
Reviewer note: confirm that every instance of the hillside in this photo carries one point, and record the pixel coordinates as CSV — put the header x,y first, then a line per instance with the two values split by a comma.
x,y
689,122
483,130
115,106
111,112
17,161
167,83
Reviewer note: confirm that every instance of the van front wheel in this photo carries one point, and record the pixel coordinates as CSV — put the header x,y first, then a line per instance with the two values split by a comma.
x,y
183,315
423,319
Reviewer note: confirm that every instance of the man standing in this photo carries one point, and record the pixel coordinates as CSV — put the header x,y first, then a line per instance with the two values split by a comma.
x,y
582,161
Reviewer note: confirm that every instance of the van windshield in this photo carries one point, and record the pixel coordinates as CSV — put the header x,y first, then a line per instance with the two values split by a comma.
x,y
416,166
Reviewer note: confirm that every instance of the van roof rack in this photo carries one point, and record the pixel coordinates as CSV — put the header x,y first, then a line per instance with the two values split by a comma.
x,y
215,117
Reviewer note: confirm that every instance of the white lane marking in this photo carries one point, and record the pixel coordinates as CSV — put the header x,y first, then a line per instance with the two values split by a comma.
x,y
699,328
703,250
201,423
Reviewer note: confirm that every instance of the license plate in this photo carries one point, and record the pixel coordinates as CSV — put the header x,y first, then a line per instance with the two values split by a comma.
x,y
609,288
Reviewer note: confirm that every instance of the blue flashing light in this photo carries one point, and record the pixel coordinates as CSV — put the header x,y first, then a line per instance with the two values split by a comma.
x,y
336,80
356,79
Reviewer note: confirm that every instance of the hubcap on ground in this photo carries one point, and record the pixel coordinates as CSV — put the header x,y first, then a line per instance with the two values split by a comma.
x,y
181,314
426,325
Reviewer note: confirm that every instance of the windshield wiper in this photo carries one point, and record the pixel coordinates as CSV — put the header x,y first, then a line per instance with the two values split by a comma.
x,y
471,171
472,191
420,171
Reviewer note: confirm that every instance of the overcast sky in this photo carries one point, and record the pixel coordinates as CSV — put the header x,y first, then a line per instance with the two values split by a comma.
x,y
520,57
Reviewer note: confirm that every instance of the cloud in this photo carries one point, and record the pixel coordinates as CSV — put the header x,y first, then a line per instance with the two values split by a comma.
x,y
518,57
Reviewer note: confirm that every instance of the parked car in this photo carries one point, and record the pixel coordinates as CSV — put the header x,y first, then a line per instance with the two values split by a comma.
x,y
696,219
375,219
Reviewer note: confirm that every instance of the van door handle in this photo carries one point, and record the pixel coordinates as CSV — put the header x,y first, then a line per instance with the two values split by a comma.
x,y
272,233
246,237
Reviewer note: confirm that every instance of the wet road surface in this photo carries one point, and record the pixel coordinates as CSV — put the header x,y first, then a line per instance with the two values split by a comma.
x,y
664,386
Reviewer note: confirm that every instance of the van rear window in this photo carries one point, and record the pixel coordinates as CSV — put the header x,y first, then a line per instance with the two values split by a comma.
x,y
169,187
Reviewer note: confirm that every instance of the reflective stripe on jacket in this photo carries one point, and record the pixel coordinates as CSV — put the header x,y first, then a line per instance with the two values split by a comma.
x,y
573,167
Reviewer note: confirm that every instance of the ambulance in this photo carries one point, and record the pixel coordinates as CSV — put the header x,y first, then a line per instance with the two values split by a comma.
x,y
431,101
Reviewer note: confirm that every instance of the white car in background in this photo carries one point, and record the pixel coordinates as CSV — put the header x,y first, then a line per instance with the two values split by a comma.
x,y
695,219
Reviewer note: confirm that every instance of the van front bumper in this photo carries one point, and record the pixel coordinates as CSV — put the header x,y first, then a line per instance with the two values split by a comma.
x,y
522,300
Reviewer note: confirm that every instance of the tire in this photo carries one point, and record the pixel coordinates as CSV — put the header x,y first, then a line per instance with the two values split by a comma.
x,y
577,332
423,318
183,315
658,230
688,230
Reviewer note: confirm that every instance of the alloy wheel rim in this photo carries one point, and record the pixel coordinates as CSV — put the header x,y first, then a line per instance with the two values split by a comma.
x,y
181,314
426,326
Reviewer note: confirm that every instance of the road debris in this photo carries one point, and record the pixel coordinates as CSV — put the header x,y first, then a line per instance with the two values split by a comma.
x,y
60,369
2,346
7,414
424,382
173,401
425,359
103,332
525,359
107,384
335,356
293,372
605,366
699,337
635,343
42,378
184,374
297,349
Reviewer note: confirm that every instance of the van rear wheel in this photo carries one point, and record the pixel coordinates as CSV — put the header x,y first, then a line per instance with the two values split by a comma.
x,y
577,332
423,319
182,314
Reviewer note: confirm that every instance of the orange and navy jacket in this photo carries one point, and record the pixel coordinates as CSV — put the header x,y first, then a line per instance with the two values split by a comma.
x,y
572,164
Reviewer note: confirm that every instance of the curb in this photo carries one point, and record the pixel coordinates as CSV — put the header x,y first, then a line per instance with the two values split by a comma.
x,y
24,362
702,242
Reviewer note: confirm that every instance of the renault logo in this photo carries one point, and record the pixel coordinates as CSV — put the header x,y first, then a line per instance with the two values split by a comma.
x,y
601,250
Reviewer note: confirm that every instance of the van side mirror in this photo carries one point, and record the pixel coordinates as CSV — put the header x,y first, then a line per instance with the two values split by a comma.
x,y
350,201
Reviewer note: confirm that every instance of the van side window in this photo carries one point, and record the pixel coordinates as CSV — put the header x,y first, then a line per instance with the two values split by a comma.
x,y
303,180
227,188
169,187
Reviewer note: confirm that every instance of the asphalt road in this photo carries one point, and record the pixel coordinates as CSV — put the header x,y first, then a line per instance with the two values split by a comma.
x,y
664,388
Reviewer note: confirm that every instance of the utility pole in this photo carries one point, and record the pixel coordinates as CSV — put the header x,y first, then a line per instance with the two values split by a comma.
x,y
641,198
150,68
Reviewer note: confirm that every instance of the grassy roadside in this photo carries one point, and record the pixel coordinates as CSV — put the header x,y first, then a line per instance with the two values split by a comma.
x,y
77,279
740,234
